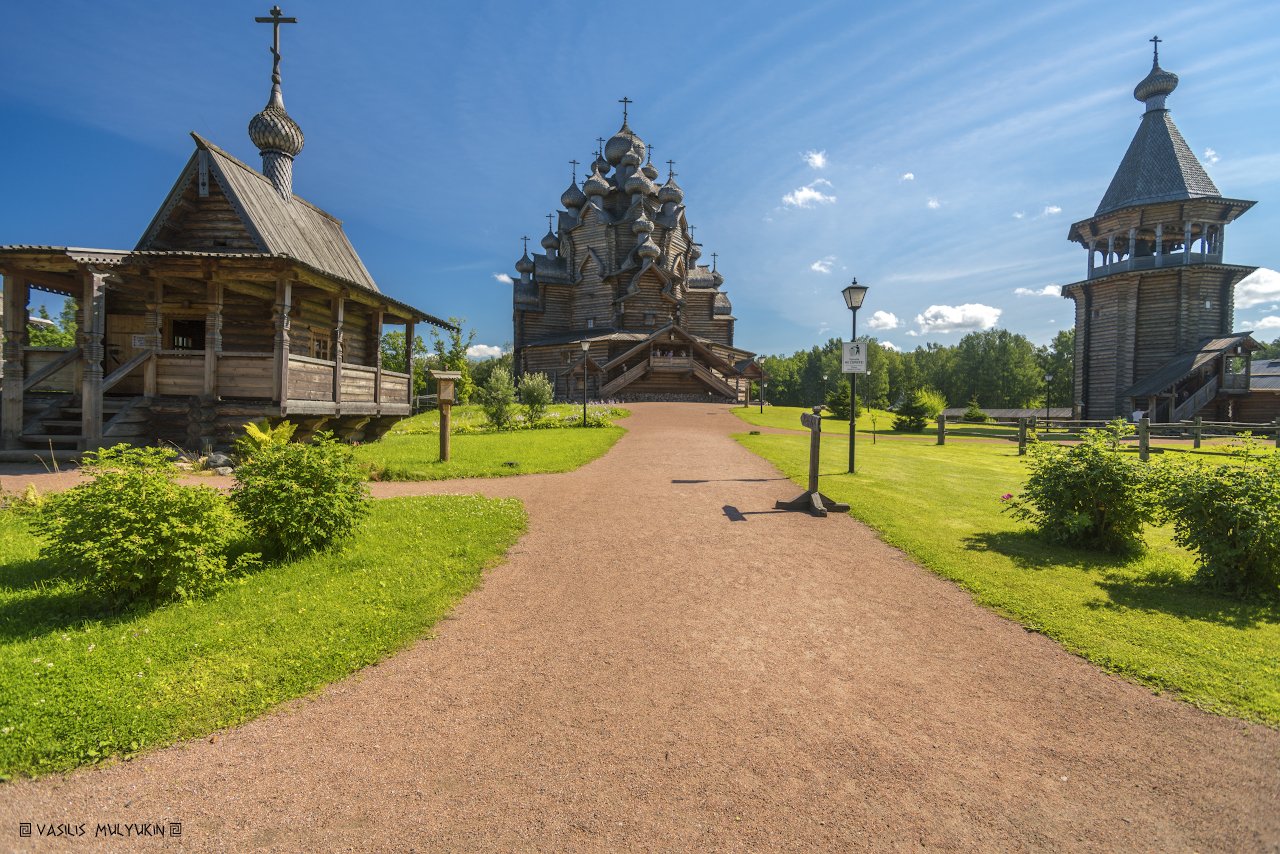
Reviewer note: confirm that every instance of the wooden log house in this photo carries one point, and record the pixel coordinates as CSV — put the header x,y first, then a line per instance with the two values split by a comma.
x,y
622,275
1154,315
241,301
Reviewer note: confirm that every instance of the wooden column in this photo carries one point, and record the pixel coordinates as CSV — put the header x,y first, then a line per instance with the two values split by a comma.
x,y
1022,437
95,315
408,359
15,331
338,308
1195,432
1144,438
155,339
1159,242
212,337
375,342
942,429
284,304
1186,242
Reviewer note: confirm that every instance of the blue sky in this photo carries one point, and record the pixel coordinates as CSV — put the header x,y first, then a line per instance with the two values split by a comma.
x,y
937,151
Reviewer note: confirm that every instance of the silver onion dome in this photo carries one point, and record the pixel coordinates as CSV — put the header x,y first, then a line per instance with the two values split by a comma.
x,y
638,182
647,248
649,170
642,223
695,251
601,165
717,278
525,264
573,197
631,158
595,185
550,241
622,142
273,129
1156,84
670,192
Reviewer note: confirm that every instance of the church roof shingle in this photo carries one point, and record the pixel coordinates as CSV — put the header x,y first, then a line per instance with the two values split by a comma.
x,y
1158,167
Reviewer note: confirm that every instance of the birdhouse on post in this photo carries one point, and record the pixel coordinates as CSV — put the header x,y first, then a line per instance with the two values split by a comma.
x,y
445,381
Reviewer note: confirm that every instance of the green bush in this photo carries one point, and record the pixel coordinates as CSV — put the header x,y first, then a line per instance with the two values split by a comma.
x,y
260,435
1228,516
974,415
912,414
838,401
933,401
133,533
537,394
299,499
498,399
1089,495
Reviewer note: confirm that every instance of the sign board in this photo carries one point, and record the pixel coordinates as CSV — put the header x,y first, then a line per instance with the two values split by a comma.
x,y
139,342
855,357
813,422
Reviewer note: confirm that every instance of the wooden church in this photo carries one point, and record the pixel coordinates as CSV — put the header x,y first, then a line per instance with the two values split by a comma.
x,y
241,301
1154,316
618,307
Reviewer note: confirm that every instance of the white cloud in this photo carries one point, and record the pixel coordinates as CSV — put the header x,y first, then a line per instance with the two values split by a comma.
x,y
884,320
957,318
816,159
823,266
502,277
1046,291
1049,210
910,176
889,345
1262,285
483,351
805,196
934,204
1211,156
1018,215
1272,322
913,333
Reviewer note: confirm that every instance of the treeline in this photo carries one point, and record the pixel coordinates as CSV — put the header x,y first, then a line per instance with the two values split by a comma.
x,y
998,368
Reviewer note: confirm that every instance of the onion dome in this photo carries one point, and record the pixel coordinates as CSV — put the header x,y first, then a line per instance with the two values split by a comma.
x,y
717,278
273,129
642,223
695,251
632,159
649,170
638,182
525,264
601,165
670,192
648,249
619,145
595,185
1155,86
573,197
549,241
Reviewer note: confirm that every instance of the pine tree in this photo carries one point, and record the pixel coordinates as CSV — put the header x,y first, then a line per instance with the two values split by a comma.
x,y
838,401
912,414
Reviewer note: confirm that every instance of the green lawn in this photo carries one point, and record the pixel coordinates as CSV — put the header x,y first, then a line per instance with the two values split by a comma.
x,y
411,450
78,686
1139,617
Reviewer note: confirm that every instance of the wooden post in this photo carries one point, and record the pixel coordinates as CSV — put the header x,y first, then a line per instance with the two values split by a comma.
x,y
1276,424
1022,437
15,330
337,308
155,339
1195,432
815,448
284,303
212,338
375,342
813,501
942,429
95,313
1144,438
444,397
408,359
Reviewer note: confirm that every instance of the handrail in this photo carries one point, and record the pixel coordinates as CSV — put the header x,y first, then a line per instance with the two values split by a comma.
x,y
1197,401
714,381
125,369
624,379
52,368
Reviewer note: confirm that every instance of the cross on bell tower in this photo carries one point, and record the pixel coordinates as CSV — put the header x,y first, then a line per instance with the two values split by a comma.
x,y
575,170
1155,43
275,21
624,101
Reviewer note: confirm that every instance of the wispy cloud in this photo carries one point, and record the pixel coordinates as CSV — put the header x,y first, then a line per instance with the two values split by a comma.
x,y
503,277
889,345
909,176
934,204
806,196
884,320
957,318
1018,215
1271,322
1049,210
1046,291
823,266
1210,156
1260,286
816,159
483,351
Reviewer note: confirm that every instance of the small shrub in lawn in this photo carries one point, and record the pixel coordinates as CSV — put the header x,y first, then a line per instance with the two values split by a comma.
x,y
260,435
1089,495
912,414
537,394
498,399
974,415
838,401
133,533
299,499
1228,516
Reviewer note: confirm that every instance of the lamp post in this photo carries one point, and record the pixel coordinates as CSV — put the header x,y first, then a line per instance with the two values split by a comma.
x,y
1048,378
824,388
762,385
853,297
586,346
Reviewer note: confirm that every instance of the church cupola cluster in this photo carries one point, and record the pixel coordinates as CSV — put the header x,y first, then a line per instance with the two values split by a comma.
x,y
276,135
621,264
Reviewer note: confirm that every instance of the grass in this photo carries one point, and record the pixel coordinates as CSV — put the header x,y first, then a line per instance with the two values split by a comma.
x,y
1139,617
411,451
78,686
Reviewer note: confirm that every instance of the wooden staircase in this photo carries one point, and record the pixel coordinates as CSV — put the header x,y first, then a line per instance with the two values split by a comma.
x,y
714,382
624,379
57,423
1197,401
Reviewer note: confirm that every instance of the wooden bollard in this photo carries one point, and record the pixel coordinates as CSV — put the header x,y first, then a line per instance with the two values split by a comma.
x,y
1144,439
445,382
1195,433
1022,437
942,429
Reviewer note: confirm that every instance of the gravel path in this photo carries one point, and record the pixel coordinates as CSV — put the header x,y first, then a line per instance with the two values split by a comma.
x,y
665,664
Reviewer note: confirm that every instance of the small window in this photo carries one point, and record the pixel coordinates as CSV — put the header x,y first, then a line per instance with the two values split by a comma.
x,y
1208,303
648,318
319,343
188,335
591,323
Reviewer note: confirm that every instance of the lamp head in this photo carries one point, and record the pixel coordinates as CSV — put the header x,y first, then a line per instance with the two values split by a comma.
x,y
1048,378
586,345
854,294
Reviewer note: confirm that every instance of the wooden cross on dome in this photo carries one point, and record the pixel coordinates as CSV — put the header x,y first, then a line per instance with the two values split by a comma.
x,y
549,216
1155,43
600,147
275,21
575,170
713,262
526,245
671,168
624,101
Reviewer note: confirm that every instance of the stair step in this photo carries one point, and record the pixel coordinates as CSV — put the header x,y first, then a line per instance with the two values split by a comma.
x,y
43,439
49,422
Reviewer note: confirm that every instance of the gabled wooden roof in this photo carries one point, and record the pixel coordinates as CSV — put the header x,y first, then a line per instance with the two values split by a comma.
x,y
296,228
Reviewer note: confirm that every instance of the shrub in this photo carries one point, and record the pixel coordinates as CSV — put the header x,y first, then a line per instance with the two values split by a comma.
x,y
973,414
299,499
912,414
498,399
838,401
1229,517
1089,495
133,533
536,393
933,401
260,435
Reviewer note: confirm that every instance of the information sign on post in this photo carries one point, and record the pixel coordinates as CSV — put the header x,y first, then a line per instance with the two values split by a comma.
x,y
855,357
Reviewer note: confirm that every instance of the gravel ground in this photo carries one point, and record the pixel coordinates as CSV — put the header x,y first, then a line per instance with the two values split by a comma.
x,y
666,664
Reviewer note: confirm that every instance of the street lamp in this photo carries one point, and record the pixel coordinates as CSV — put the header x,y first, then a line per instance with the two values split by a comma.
x,y
586,346
824,388
853,297
1048,378
762,385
